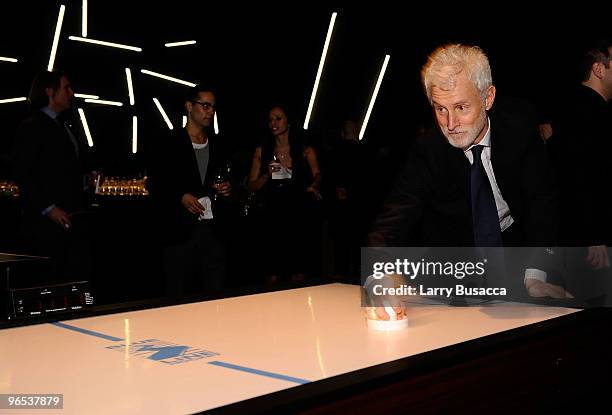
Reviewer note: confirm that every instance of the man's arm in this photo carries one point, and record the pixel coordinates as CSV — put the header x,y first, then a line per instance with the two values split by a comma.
x,y
541,206
403,207
541,221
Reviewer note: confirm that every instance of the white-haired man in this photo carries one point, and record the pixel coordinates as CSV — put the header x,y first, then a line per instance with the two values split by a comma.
x,y
481,179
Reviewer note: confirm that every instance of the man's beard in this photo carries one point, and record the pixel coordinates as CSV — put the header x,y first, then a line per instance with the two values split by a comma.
x,y
463,138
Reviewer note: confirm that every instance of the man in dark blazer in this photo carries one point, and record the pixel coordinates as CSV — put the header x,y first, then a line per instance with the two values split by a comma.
x,y
581,146
49,161
190,182
481,179
430,199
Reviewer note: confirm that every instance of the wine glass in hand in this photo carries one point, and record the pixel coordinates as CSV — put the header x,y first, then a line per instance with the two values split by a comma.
x,y
274,166
221,181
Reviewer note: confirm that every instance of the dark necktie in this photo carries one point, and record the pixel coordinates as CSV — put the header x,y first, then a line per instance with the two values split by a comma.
x,y
484,211
65,124
73,138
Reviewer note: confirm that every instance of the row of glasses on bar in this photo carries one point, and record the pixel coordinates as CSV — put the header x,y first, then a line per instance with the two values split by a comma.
x,y
8,188
121,186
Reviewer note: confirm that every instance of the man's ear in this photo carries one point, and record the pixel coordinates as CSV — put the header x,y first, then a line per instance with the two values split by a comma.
x,y
188,106
49,92
490,98
598,70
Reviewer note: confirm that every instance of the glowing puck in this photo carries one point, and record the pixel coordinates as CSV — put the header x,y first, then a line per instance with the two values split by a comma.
x,y
388,325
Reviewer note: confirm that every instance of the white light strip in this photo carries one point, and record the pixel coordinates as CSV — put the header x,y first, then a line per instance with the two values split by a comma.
x,y
373,99
184,43
58,29
84,19
85,127
163,113
184,120
128,77
134,134
7,100
104,102
86,96
4,59
320,70
216,124
166,77
104,43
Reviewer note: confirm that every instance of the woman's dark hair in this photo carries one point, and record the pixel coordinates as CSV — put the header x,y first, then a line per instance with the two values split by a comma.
x,y
38,96
296,145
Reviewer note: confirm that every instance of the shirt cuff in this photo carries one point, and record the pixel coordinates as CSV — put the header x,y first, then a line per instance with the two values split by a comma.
x,y
46,211
536,274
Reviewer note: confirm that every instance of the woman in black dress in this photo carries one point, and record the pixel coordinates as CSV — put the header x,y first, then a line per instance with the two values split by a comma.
x,y
285,175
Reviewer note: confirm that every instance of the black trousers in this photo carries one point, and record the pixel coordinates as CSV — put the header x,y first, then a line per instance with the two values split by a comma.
x,y
198,265
70,252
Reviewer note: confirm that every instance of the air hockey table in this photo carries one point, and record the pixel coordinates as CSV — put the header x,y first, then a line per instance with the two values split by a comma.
x,y
298,350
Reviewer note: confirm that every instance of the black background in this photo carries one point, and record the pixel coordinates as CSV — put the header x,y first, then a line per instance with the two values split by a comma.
x,y
263,53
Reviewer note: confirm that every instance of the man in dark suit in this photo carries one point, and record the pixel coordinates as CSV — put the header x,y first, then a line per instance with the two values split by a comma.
x,y
581,146
191,185
481,179
49,164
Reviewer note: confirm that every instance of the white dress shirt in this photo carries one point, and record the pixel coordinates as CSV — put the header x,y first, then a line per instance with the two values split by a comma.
x,y
503,211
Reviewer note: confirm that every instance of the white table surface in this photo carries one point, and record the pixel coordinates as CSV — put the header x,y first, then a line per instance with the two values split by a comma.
x,y
126,363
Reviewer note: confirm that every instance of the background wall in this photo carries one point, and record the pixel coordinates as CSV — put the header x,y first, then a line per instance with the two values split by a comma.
x,y
258,54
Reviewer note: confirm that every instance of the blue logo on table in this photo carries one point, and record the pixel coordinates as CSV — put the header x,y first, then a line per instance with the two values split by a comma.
x,y
164,352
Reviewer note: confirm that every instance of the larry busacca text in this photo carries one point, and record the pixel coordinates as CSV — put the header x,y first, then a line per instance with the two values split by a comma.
x,y
420,290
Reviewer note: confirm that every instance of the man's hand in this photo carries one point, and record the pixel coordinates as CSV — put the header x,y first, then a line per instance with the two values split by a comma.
x,y
379,313
597,256
60,217
191,204
537,288
91,178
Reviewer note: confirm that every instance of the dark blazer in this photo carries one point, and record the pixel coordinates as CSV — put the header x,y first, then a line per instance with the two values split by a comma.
x,y
174,172
581,148
46,167
429,204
